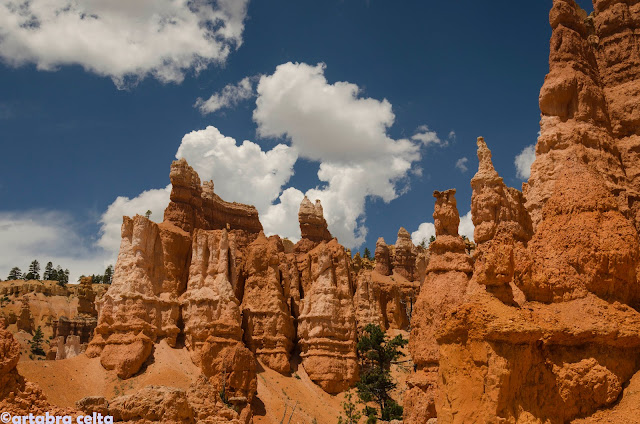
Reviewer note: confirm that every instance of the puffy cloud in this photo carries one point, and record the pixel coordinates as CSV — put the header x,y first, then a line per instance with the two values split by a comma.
x,y
524,160
346,133
229,96
429,137
461,164
282,218
241,173
325,122
125,40
465,228
424,232
47,236
155,200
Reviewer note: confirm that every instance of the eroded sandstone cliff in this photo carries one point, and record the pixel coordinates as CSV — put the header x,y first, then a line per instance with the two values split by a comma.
x,y
548,330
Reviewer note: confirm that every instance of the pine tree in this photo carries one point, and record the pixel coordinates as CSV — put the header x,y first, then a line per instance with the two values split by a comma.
x,y
36,342
367,253
48,270
34,271
377,353
147,214
108,275
62,276
15,274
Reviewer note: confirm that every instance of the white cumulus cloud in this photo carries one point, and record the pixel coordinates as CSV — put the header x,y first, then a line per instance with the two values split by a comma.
x,y
466,227
424,232
429,137
122,39
240,172
229,96
347,133
461,164
524,160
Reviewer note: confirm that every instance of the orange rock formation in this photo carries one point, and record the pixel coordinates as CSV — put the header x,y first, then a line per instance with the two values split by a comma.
x,y
445,286
549,328
312,223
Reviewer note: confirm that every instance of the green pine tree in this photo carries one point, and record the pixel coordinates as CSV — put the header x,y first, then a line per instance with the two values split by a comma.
x,y
48,270
15,274
377,352
367,253
36,342
108,275
34,271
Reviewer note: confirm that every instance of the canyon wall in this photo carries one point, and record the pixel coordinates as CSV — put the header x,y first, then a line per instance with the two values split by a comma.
x,y
548,328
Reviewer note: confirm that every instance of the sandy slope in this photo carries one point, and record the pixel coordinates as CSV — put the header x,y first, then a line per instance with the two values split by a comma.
x,y
278,395
67,381
290,399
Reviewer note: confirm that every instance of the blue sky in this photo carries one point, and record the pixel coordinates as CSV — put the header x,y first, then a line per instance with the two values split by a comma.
x,y
86,117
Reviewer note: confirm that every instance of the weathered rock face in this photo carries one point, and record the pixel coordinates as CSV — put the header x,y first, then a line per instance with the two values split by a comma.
x,y
496,207
327,325
502,227
142,303
444,288
312,223
567,343
550,328
588,102
382,257
266,313
209,305
201,403
583,244
196,206
404,258
384,300
385,295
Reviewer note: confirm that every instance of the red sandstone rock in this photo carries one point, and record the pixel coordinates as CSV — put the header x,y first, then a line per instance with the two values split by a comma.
x,y
583,244
566,344
209,305
142,301
443,290
196,206
266,314
384,300
404,257
326,325
19,397
312,223
589,85
382,257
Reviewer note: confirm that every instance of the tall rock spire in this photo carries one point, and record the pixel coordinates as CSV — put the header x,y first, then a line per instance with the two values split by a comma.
x,y
313,226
